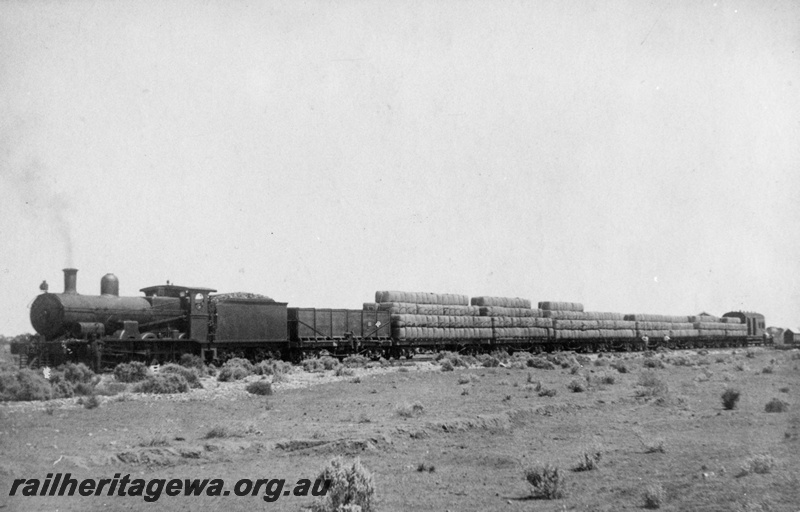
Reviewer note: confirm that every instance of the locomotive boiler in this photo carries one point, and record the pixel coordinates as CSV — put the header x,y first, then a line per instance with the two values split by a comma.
x,y
54,315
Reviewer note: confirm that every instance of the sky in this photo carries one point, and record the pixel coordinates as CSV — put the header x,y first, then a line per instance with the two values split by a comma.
x,y
634,156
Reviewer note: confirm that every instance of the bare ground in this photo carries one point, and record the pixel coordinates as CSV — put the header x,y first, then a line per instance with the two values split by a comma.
x,y
473,438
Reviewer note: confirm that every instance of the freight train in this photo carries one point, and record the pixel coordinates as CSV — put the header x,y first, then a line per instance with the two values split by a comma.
x,y
170,320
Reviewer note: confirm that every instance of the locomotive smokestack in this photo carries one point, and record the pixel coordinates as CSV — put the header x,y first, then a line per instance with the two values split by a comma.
x,y
70,280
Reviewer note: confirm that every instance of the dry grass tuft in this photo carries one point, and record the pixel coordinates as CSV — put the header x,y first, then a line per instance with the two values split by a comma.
x,y
776,405
546,481
729,398
654,496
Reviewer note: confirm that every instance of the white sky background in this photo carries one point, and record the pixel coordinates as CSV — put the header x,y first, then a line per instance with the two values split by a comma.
x,y
638,157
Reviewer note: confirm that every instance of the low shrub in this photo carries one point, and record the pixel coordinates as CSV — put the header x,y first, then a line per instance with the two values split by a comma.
x,y
651,386
590,460
653,363
540,363
488,361
131,372
447,365
90,402
608,378
83,389
576,386
218,432
193,361
729,398
355,361
77,373
24,385
423,467
407,410
344,371
463,379
760,464
620,366
547,392
162,384
546,481
189,373
259,387
654,496
350,487
776,405
768,369
110,388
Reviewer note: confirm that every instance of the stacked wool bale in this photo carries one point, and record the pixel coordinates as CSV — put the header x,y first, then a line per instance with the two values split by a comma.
x,y
570,321
658,326
512,317
715,326
423,315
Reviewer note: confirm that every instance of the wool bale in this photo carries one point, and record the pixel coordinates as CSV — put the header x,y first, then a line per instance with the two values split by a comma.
x,y
482,321
503,302
730,320
399,308
704,319
430,309
421,297
504,311
657,318
458,310
561,306
602,315
370,306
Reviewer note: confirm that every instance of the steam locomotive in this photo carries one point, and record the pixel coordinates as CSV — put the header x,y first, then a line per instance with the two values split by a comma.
x,y
171,320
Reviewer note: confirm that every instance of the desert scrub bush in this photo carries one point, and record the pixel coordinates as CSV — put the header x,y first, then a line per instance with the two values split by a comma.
x,y
447,365
651,386
344,371
355,361
575,370
76,373
110,388
563,360
729,398
193,361
650,362
590,459
90,402
654,496
235,369
750,354
162,384
190,374
488,361
24,385
768,369
219,432
761,464
608,378
131,372
741,367
463,379
406,410
576,386
455,358
776,405
350,487
540,363
259,387
620,366
423,467
546,481
547,392
272,367
680,361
